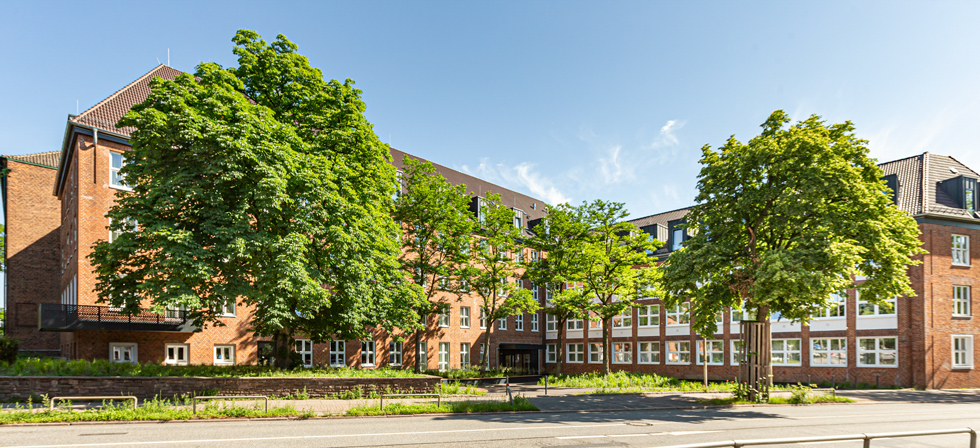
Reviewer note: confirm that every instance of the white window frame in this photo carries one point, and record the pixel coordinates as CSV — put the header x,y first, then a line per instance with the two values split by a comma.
x,y
575,353
305,349
961,357
228,308
783,348
395,353
960,250
483,319
961,300
736,346
338,353
838,311
877,351
716,352
114,171
624,319
519,322
368,353
681,311
648,316
534,322
574,324
678,239
444,317
464,354
622,353
123,347
551,354
502,323
176,359
551,322
874,307
534,292
596,352
677,350
113,234
464,317
224,354
840,352
649,352
423,354
443,364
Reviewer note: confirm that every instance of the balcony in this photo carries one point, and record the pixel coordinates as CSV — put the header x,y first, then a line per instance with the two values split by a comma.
x,y
58,317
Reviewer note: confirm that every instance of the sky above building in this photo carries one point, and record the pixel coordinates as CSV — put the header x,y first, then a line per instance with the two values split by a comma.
x,y
564,101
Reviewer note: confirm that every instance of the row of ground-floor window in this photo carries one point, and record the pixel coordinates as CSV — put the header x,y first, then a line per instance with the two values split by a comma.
x,y
877,351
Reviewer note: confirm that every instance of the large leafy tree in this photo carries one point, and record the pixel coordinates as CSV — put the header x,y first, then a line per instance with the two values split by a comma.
x,y
494,274
616,269
262,184
784,221
437,236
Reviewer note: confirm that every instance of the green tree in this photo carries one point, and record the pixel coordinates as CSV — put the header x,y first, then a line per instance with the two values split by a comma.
x,y
783,222
437,235
262,184
494,273
616,269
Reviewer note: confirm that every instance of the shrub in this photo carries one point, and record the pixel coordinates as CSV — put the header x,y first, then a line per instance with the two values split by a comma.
x,y
8,350
102,367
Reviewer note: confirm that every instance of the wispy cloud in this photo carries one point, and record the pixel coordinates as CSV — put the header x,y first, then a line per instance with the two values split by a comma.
x,y
518,176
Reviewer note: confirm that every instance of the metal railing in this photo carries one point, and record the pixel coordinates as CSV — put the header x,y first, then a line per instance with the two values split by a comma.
x,y
867,438
195,399
59,317
93,398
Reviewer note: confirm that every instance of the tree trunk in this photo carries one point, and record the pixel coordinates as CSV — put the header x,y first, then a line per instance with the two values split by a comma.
x,y
754,370
419,356
485,362
281,349
560,353
606,349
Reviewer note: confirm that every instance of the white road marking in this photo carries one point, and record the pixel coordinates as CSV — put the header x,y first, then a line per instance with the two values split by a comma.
x,y
684,433
832,441
580,437
326,436
628,435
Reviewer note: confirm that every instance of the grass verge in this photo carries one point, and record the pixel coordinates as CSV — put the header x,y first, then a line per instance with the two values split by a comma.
x,y
61,367
628,382
462,407
150,410
778,400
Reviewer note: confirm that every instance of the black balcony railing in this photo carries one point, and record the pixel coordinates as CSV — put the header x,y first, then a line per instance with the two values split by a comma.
x,y
58,317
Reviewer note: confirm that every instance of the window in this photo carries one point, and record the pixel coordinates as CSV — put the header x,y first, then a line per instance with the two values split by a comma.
x,y
305,349
961,300
737,355
443,356
574,324
122,352
464,317
878,352
747,315
678,239
423,355
130,226
786,352
518,218
551,322
624,319
962,351
115,178
444,318
828,352
961,250
622,353
483,319
678,352
519,322
837,308
870,309
595,352
177,354
649,353
534,322
648,316
518,255
969,193
551,353
395,353
534,292
224,354
679,314
575,352
534,255
464,354
367,353
338,353
716,352
502,323
481,356
547,294
228,308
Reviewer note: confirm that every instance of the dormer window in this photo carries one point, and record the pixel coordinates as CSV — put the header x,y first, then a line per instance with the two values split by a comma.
x,y
970,196
518,219
678,239
963,192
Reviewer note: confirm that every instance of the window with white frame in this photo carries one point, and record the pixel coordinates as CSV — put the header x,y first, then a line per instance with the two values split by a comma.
x,y
177,354
338,353
534,255
464,354
837,308
304,347
574,324
649,353
961,300
828,352
786,352
575,353
519,322
624,319
648,316
224,354
738,315
483,319
487,362
679,314
595,352
551,353
228,308
464,317
534,292
873,309
131,226
548,291
443,356
123,352
423,355
551,322
534,322
444,318
394,353
962,351
678,352
737,351
518,255
367,353
116,179
878,352
716,352
502,323
678,239
961,250
622,353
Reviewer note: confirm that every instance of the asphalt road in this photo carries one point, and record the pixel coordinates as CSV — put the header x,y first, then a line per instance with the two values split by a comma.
x,y
578,430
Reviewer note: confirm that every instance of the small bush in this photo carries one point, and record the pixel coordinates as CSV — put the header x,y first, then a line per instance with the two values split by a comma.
x,y
8,350
102,367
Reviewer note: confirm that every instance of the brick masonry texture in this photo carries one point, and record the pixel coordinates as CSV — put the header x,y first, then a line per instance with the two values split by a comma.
x,y
166,387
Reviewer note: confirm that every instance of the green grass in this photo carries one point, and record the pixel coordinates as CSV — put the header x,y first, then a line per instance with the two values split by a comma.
x,y
474,372
60,367
455,388
778,400
628,382
520,404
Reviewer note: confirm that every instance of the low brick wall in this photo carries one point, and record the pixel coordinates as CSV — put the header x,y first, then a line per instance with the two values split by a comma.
x,y
20,387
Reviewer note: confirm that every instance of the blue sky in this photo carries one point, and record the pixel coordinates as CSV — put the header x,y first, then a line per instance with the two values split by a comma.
x,y
560,100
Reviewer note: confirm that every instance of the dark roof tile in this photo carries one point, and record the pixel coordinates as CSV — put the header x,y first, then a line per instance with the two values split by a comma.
x,y
107,112
48,159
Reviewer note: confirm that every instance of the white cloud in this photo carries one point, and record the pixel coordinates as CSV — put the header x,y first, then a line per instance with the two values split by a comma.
x,y
522,175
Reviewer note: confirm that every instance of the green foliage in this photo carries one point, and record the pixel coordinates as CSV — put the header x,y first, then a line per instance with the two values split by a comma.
x,y
3,255
474,371
775,400
457,388
8,350
520,404
263,184
629,382
61,367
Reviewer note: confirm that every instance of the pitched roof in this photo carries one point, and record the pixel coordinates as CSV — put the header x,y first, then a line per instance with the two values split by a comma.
x,y
919,177
106,113
46,159
661,218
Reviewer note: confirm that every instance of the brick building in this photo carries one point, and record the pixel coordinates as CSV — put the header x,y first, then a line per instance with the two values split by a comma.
x,y
62,306
923,341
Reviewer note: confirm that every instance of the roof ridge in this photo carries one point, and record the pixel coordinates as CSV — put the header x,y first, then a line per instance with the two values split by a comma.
x,y
118,92
963,164
904,158
663,213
